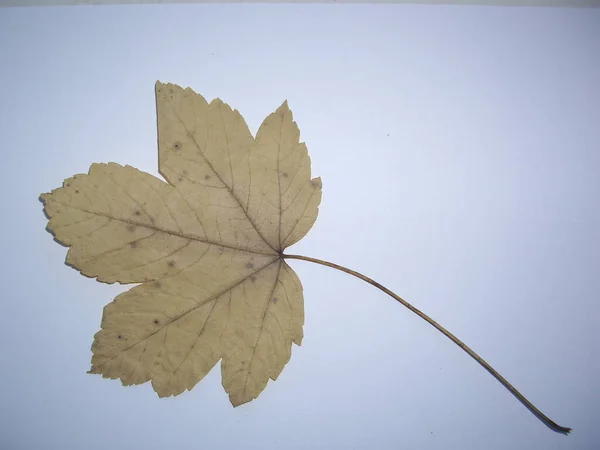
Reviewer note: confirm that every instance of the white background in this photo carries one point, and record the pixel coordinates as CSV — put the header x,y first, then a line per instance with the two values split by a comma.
x,y
459,150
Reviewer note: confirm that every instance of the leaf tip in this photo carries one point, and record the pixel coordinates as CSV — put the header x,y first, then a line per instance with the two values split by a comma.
x,y
284,106
239,400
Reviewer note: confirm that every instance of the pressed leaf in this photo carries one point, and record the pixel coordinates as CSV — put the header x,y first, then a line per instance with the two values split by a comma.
x,y
207,249
206,246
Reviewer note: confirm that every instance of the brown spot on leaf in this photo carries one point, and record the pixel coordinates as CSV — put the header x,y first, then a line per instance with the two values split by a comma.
x,y
77,191
119,337
171,91
207,177
133,244
137,213
156,322
284,174
130,227
171,263
177,146
249,266
180,179
185,172
253,278
275,300
157,284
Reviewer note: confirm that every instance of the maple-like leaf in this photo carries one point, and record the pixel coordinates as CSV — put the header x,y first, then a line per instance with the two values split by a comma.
x,y
206,246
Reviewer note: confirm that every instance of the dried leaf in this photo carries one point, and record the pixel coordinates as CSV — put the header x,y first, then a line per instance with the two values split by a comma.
x,y
206,247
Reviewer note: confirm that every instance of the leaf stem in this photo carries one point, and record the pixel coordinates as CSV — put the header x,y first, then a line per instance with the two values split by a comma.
x,y
546,420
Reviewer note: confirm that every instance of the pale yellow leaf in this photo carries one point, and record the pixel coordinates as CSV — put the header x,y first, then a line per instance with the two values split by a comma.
x,y
206,247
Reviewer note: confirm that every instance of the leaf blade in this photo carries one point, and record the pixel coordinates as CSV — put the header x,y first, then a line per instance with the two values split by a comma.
x,y
206,245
